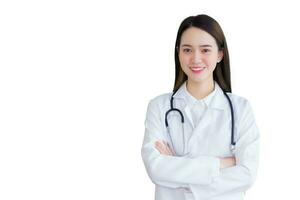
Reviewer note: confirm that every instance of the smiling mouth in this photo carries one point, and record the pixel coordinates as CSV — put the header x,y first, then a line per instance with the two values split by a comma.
x,y
197,69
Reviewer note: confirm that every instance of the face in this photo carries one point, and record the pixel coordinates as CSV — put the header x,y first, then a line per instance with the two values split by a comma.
x,y
198,54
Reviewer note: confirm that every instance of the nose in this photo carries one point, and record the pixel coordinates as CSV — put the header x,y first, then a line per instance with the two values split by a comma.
x,y
196,57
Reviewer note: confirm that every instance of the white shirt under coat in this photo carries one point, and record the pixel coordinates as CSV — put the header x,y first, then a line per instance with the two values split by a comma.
x,y
206,138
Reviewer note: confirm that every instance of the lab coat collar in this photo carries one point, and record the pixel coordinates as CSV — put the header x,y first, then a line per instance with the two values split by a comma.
x,y
217,100
191,101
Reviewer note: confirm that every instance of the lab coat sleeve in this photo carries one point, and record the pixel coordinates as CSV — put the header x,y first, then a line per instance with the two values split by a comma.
x,y
240,177
172,171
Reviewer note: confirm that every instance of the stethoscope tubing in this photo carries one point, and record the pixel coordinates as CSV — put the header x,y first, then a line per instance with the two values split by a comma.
x,y
233,143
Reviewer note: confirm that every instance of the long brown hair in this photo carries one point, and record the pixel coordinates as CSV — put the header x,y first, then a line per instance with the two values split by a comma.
x,y
221,73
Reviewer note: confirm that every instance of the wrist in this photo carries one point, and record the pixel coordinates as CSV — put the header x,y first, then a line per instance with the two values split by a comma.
x,y
227,162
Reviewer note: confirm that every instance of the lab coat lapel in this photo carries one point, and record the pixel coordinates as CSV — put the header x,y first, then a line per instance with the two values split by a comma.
x,y
181,96
189,116
203,129
205,126
175,127
198,133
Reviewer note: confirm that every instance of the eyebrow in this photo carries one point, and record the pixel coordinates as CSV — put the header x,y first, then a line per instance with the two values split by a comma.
x,y
204,45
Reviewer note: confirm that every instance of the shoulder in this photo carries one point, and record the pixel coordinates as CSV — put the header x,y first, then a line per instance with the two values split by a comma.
x,y
242,108
157,106
161,100
238,101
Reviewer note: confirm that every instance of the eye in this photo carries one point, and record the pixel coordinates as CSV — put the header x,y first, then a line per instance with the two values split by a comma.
x,y
205,50
187,50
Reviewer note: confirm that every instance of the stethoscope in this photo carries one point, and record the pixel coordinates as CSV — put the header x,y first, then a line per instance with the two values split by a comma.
x,y
232,146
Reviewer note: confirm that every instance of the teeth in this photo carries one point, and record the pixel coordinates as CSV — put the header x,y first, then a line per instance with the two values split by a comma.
x,y
198,69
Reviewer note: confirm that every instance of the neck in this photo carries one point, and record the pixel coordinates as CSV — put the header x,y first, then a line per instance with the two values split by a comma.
x,y
199,90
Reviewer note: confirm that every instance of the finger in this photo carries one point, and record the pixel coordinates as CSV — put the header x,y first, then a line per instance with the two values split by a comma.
x,y
164,148
160,147
171,150
159,144
168,149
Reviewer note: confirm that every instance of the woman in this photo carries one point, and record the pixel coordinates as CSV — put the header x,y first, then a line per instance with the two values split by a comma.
x,y
207,146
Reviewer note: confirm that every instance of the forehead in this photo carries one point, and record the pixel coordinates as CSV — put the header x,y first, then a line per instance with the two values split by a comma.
x,y
196,36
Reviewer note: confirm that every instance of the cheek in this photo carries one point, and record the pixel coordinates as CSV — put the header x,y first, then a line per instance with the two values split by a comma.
x,y
212,61
184,60
212,67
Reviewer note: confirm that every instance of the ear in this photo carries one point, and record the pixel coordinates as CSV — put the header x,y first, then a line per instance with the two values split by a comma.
x,y
220,55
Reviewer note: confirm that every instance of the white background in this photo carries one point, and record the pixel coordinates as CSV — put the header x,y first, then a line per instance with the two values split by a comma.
x,y
76,78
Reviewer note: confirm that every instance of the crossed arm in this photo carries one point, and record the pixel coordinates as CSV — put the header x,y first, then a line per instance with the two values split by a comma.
x,y
165,149
205,176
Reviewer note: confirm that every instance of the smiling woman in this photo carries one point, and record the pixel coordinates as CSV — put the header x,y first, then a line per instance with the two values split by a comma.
x,y
198,55
201,141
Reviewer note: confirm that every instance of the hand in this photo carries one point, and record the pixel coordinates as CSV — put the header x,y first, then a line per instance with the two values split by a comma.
x,y
164,148
227,162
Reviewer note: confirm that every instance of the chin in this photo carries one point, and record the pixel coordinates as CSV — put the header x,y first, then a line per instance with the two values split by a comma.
x,y
198,79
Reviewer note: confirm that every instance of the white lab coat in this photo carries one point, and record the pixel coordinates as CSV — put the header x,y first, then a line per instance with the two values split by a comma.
x,y
197,175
